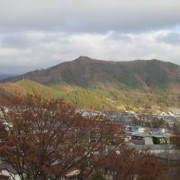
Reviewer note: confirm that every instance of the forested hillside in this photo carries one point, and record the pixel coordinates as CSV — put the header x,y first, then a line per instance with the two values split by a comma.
x,y
88,73
142,86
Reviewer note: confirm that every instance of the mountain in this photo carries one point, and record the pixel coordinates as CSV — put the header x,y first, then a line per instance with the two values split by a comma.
x,y
142,85
90,73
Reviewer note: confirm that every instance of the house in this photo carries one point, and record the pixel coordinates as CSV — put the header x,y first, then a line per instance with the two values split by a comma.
x,y
138,129
125,137
8,172
6,110
175,111
72,174
158,130
150,138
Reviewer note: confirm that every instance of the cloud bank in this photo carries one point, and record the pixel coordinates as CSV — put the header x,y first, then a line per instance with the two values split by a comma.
x,y
89,15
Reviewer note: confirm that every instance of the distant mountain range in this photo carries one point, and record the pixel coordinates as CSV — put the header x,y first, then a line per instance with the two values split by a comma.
x,y
4,76
97,84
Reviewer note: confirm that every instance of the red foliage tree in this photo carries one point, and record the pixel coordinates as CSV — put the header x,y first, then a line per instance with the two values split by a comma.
x,y
175,140
43,139
125,163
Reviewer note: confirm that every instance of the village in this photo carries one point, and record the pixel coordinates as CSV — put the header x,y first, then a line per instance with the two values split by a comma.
x,y
149,132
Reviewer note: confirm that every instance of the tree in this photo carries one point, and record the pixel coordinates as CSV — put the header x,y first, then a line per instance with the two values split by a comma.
x,y
175,140
126,164
45,138
158,123
176,128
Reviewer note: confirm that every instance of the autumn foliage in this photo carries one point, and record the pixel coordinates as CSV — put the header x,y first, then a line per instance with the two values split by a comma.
x,y
175,140
45,138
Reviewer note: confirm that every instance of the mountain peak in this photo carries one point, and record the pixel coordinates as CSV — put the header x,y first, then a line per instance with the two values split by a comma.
x,y
83,58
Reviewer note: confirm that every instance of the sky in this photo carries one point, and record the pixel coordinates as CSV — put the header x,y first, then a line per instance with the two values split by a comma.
x,y
38,34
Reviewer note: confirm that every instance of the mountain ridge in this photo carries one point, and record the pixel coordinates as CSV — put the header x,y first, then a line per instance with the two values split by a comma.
x,y
88,73
141,85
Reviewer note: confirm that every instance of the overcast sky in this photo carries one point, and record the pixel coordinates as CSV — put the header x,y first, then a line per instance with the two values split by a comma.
x,y
37,34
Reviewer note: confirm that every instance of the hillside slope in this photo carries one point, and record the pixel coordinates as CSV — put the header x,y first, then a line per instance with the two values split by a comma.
x,y
77,97
98,99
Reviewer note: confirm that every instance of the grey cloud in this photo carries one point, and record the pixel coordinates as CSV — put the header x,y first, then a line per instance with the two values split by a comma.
x,y
118,37
90,15
54,37
16,41
170,38
25,40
